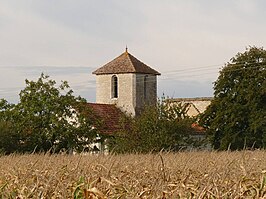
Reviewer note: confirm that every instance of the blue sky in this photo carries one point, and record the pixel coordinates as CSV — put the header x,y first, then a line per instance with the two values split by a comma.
x,y
187,41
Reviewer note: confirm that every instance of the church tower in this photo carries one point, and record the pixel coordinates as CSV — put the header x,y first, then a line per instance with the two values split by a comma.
x,y
126,82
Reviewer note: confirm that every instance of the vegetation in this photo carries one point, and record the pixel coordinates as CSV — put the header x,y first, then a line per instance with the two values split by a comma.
x,y
236,118
162,175
46,118
162,127
50,118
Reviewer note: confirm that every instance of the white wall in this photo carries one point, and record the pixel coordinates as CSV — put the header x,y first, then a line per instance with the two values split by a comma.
x,y
130,91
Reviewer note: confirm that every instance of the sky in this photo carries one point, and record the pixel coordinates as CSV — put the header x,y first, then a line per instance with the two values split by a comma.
x,y
187,41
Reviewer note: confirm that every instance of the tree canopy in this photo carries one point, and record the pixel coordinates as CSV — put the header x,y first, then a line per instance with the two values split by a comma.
x,y
47,117
236,117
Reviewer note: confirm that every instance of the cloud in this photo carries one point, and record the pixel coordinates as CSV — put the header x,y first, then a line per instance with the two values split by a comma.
x,y
182,89
55,70
68,37
13,78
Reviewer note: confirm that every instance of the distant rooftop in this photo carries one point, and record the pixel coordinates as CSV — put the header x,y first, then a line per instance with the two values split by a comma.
x,y
192,99
125,63
109,115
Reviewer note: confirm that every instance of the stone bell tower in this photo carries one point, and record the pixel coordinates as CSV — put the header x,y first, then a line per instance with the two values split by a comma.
x,y
126,82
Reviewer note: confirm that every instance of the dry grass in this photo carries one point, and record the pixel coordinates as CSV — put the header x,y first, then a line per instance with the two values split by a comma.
x,y
168,175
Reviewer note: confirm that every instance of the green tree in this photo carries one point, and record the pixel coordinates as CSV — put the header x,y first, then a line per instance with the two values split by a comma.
x,y
9,138
236,117
48,118
162,127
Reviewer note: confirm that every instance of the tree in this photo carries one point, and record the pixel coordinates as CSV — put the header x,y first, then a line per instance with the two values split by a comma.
x,y
9,138
236,117
161,127
48,118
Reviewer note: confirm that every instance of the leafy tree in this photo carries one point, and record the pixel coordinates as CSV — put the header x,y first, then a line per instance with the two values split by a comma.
x,y
162,127
47,118
236,117
9,139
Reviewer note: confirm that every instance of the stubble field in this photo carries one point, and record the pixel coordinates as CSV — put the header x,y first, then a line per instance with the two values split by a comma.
x,y
162,175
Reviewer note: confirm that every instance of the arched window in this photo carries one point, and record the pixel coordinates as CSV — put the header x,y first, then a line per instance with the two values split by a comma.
x,y
114,87
145,87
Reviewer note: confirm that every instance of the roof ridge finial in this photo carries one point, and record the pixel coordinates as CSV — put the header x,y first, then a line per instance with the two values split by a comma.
x,y
126,49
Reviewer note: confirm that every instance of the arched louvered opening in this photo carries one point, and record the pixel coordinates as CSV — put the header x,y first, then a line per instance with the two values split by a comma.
x,y
114,86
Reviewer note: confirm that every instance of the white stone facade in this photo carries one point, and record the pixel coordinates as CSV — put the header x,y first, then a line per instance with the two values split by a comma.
x,y
134,91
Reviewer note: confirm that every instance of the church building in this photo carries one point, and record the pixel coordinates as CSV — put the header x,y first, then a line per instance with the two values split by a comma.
x,y
126,82
123,86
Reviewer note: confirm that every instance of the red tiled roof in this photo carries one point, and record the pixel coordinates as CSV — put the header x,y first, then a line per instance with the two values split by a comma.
x,y
125,63
109,115
198,129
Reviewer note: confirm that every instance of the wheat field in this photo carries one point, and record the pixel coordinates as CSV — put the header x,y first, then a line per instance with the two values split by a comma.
x,y
239,174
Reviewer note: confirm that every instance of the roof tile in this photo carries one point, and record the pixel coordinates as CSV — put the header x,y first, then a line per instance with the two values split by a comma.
x,y
125,63
110,116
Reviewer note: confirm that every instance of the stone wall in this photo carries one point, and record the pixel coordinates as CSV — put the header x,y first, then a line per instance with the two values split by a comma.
x,y
125,91
148,95
131,87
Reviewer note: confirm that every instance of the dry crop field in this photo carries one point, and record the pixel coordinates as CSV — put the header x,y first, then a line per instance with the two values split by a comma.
x,y
164,175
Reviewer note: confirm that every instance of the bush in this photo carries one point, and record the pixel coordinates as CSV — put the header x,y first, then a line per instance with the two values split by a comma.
x,y
162,127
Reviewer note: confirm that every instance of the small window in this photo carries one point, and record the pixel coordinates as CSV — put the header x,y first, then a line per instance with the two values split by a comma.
x,y
114,87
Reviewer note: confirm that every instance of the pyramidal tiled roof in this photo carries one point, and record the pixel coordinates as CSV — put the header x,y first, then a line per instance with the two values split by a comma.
x,y
125,63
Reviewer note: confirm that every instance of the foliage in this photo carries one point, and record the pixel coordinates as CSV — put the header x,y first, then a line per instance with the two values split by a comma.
x,y
9,138
236,117
162,127
46,118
